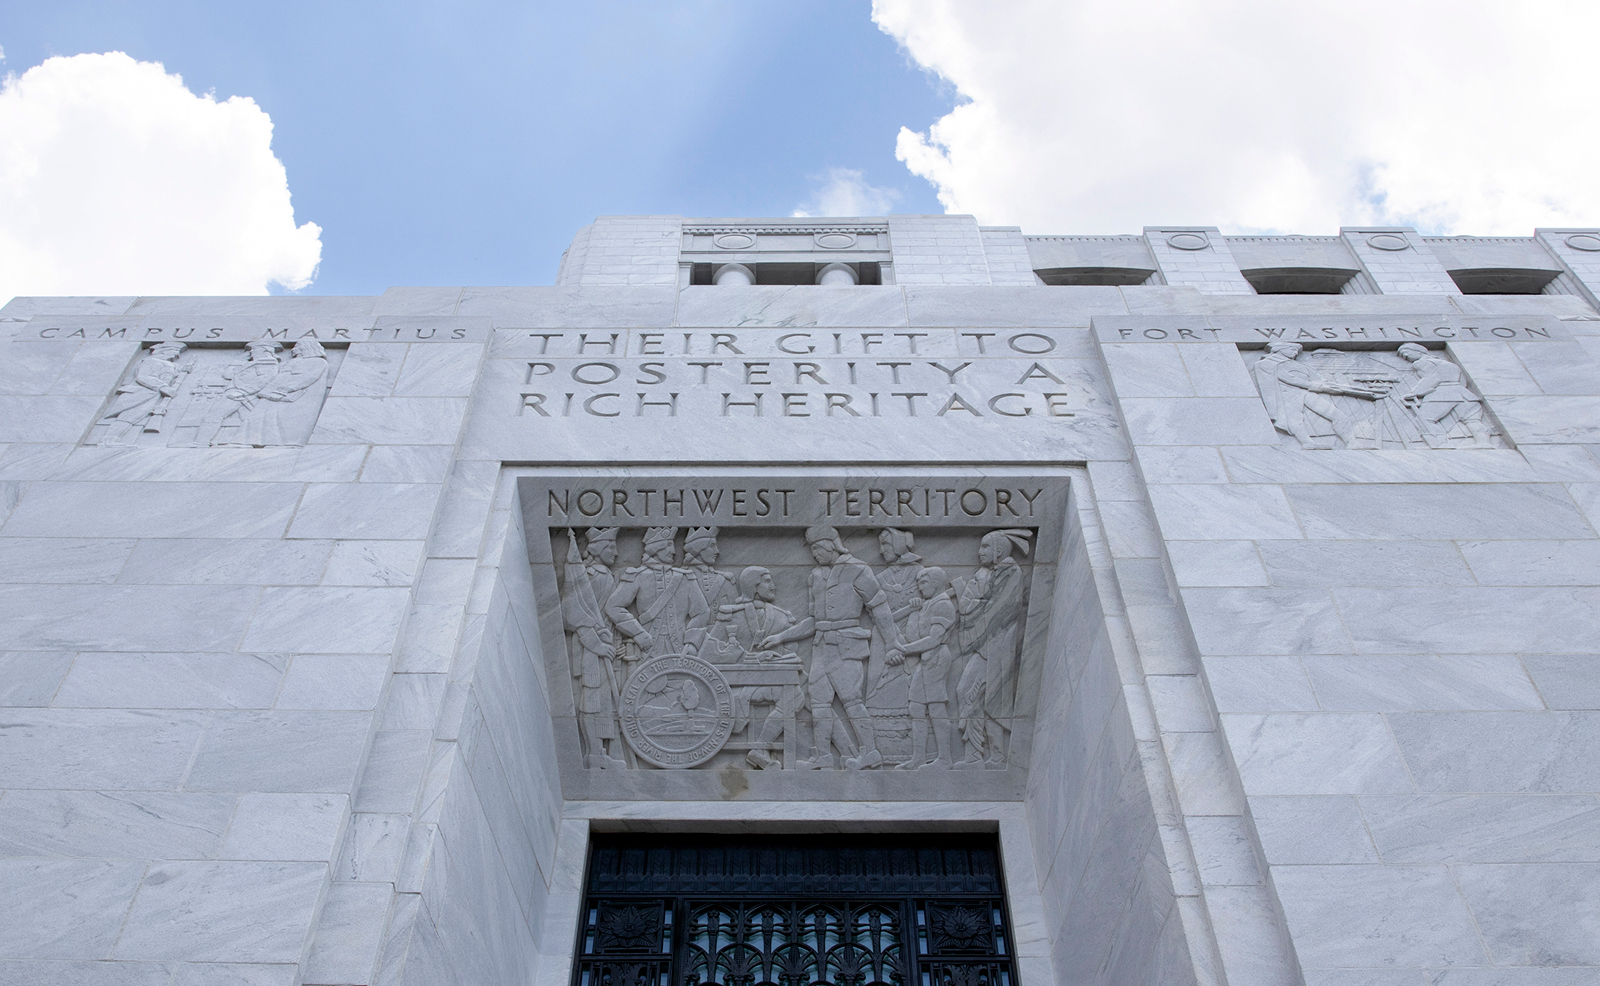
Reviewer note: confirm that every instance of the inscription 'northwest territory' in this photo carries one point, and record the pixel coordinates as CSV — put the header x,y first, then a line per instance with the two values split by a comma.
x,y
841,501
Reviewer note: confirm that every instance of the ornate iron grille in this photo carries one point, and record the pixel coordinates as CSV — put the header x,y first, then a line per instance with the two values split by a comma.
x,y
794,911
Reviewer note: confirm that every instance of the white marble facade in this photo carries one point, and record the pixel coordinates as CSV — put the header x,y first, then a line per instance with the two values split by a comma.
x,y
308,679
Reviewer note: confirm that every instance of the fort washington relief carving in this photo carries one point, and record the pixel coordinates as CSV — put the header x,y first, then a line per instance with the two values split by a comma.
x,y
255,397
794,646
1408,398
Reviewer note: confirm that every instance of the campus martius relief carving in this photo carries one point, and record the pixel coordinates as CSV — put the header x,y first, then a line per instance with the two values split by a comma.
x,y
257,397
675,660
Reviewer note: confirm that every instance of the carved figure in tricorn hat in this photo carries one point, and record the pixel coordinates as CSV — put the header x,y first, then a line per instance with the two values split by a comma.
x,y
669,615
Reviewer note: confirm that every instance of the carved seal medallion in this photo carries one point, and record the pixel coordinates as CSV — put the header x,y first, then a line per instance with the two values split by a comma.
x,y
677,711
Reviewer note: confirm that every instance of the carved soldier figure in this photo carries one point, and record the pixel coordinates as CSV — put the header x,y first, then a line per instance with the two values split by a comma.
x,y
990,609
927,652
588,581
154,384
1299,399
741,628
290,402
843,591
672,615
1440,397
699,554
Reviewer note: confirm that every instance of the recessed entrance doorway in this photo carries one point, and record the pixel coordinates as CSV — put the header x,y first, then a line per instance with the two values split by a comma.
x,y
841,910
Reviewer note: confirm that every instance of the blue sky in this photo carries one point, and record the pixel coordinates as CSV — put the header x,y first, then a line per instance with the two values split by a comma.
x,y
465,142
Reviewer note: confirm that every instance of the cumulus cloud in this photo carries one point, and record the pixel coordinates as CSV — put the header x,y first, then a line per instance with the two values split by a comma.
x,y
116,179
845,192
1091,116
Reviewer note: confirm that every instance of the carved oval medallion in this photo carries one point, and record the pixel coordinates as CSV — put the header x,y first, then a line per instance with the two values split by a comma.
x,y
1584,241
834,241
1188,241
677,711
1388,241
735,241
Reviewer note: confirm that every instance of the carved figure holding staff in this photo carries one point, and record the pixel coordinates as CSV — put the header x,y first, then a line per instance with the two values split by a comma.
x,y
595,677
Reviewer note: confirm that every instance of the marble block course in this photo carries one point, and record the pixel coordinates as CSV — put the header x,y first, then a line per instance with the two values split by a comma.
x,y
1258,628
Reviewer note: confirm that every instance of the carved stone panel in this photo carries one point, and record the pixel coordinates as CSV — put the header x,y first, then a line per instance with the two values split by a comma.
x,y
883,625
1411,397
255,396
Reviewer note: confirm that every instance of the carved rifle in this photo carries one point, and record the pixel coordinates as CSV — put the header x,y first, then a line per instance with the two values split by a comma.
x,y
152,424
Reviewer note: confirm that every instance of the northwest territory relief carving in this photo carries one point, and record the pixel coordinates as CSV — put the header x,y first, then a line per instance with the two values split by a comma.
x,y
1410,398
256,398
815,660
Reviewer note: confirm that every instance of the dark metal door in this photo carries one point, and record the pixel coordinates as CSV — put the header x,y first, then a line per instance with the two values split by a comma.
x,y
841,910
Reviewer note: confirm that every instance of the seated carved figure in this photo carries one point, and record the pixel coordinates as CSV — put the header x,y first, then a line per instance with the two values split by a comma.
x,y
736,639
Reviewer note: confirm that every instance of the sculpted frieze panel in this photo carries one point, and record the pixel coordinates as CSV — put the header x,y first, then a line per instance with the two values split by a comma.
x,y
1408,398
256,396
796,640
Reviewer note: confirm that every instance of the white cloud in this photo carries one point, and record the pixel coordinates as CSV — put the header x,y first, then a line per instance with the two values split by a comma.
x,y
1093,116
845,192
115,179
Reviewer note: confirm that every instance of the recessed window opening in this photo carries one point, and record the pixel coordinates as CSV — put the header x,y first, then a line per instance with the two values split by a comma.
x,y
1093,276
866,272
1502,280
1298,280
912,909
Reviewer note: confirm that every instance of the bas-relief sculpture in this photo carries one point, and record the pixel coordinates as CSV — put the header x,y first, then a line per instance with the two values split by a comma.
x,y
218,397
673,664
1411,397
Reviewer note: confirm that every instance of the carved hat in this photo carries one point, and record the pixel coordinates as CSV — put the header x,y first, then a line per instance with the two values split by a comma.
x,y
599,535
656,535
697,535
309,349
1416,349
900,541
824,532
266,344
161,348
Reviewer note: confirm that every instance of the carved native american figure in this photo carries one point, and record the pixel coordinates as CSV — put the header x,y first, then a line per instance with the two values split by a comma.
x,y
990,607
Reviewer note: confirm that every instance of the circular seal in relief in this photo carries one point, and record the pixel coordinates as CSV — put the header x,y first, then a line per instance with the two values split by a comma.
x,y
677,711
1584,241
1388,241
